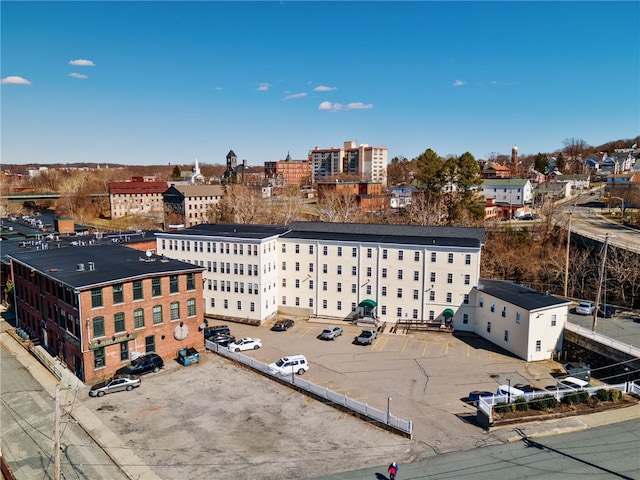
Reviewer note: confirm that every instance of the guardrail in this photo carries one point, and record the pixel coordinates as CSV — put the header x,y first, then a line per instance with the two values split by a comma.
x,y
486,404
383,417
603,339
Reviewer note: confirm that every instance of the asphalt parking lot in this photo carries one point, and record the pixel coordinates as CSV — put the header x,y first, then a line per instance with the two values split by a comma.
x,y
215,419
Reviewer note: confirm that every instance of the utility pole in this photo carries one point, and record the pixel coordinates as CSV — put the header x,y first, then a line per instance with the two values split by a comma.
x,y
566,260
56,436
604,259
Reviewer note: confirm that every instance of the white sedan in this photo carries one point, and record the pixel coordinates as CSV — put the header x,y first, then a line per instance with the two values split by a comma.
x,y
245,344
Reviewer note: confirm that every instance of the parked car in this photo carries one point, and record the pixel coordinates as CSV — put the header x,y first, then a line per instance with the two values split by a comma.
x,y
151,362
245,344
579,370
573,383
223,339
115,384
474,397
585,308
366,337
526,388
330,333
289,365
606,311
282,325
528,216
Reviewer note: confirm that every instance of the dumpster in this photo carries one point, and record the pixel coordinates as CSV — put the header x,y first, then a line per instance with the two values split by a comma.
x,y
187,356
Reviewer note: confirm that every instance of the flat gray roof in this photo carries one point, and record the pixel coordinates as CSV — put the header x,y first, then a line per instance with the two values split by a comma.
x,y
519,295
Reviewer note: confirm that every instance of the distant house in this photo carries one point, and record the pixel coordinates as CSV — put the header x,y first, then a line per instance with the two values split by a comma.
x,y
136,197
578,181
368,195
288,172
510,194
189,205
493,170
552,190
401,197
523,321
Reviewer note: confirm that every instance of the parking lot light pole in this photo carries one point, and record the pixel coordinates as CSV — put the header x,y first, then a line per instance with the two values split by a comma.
x,y
509,391
388,410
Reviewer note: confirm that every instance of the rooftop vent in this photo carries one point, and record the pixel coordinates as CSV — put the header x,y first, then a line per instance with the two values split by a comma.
x,y
80,267
92,266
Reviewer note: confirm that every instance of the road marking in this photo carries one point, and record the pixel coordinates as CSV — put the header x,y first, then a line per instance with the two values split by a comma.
x,y
424,350
468,351
404,347
379,344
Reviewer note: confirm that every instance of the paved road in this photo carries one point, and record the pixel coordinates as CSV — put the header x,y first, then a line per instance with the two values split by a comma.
x,y
27,430
607,452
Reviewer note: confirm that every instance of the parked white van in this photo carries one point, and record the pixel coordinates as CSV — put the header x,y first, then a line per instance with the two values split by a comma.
x,y
510,391
573,383
289,365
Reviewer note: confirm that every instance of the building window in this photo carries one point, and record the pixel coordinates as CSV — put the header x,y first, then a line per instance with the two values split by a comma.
x,y
191,281
124,351
354,270
284,248
98,327
325,250
310,249
416,275
433,257
517,317
384,291
506,335
383,310
368,289
353,288
297,283
432,277
384,253
324,286
156,289
339,251
118,293
297,266
96,297
173,284
449,297
465,318
225,304
137,290
325,268
354,252
150,344
553,320
466,299
339,305
157,314
175,311
239,305
400,254
399,312
481,302
384,272
538,345
489,327
415,294
414,315
449,277
118,322
369,253
339,287
432,315
213,303
450,258
284,266
138,318
504,312
432,296
416,256
297,248
311,267
99,358
467,259
310,284
467,279
493,307
252,305
400,293
339,269
324,304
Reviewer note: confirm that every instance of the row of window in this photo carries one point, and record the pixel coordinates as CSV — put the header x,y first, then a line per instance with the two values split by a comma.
x,y
118,289
238,287
99,356
518,317
120,323
215,247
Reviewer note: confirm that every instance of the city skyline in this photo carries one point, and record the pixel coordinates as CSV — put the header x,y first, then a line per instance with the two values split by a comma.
x,y
158,82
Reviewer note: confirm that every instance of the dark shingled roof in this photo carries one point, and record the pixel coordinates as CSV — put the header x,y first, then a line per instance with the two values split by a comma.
x,y
112,263
519,295
232,230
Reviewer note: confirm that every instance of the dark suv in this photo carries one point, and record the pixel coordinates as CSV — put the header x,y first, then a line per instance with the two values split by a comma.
x,y
151,362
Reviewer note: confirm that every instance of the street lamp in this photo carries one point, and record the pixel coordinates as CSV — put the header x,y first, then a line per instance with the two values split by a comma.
x,y
388,410
509,390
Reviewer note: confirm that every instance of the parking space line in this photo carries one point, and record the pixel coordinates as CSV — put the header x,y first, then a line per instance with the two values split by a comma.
x,y
404,347
424,350
379,344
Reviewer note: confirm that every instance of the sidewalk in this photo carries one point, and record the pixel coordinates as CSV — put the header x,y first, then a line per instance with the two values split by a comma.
x,y
130,463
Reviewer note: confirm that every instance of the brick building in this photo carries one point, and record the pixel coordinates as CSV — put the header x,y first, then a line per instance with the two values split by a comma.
x,y
97,307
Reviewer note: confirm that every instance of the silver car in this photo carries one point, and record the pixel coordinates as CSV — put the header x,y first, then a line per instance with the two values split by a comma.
x,y
330,333
115,384
585,308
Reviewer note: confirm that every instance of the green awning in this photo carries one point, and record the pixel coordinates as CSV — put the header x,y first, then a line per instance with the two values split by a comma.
x,y
367,303
448,313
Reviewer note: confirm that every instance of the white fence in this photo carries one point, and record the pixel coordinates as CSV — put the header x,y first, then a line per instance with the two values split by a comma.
x,y
486,404
382,416
603,339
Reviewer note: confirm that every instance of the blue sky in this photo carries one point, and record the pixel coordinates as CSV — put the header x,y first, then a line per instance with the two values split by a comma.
x,y
158,82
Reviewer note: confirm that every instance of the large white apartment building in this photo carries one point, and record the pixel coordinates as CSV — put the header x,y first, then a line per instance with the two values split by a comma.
x,y
333,270
370,163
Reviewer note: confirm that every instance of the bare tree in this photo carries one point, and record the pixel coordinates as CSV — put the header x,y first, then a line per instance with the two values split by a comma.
x,y
575,148
339,207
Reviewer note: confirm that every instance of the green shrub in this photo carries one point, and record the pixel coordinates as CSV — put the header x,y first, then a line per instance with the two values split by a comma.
x,y
503,407
615,394
521,405
604,394
542,403
575,398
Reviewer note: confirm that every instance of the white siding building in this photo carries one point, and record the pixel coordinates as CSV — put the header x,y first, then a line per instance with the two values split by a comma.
x,y
523,321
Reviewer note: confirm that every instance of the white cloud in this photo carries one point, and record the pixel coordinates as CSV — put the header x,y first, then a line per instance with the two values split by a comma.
x,y
295,96
323,88
82,63
78,75
458,83
14,80
263,87
336,107
217,88
359,106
